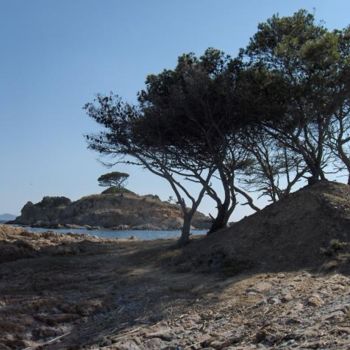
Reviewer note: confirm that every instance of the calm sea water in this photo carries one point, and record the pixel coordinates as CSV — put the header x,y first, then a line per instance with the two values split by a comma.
x,y
141,234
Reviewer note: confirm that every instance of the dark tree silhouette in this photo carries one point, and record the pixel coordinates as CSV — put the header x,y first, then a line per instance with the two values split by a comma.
x,y
292,81
263,121
124,140
113,179
193,112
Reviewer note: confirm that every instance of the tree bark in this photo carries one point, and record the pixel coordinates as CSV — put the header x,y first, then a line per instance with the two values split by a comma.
x,y
185,231
316,175
221,218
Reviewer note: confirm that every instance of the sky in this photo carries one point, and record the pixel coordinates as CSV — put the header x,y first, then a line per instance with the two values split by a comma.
x,y
56,55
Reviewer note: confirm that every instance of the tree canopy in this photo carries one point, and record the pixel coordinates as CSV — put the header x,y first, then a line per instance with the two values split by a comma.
x,y
124,141
297,78
192,113
113,179
275,115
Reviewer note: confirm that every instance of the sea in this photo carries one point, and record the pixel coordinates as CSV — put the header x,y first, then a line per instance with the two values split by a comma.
x,y
139,234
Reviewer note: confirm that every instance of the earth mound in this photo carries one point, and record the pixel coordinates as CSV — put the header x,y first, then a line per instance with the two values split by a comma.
x,y
308,229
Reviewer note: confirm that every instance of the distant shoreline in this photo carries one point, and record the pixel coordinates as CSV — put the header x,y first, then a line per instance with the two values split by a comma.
x,y
139,234
93,228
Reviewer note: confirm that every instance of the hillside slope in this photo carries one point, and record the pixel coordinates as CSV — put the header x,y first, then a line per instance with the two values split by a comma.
x,y
304,230
115,211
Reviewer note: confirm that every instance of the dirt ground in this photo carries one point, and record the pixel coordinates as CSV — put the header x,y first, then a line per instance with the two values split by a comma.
x,y
81,292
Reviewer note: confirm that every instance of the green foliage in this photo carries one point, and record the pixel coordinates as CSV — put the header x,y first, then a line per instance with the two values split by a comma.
x,y
114,179
296,83
180,106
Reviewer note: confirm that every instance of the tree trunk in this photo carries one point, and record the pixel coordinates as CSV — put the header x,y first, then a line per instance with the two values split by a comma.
x,y
316,174
185,231
344,158
221,219
312,180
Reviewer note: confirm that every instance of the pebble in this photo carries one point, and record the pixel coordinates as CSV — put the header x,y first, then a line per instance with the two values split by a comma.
x,y
260,287
286,297
315,300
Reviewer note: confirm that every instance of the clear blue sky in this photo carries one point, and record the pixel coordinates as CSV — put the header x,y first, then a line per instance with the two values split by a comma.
x,y
57,54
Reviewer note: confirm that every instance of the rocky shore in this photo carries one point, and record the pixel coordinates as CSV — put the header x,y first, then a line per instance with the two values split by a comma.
x,y
268,311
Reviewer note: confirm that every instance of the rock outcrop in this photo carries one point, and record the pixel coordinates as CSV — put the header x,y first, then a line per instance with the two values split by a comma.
x,y
115,211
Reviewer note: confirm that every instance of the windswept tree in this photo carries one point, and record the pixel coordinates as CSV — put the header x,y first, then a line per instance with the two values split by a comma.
x,y
339,130
187,125
193,112
113,179
339,138
273,170
123,139
274,115
292,86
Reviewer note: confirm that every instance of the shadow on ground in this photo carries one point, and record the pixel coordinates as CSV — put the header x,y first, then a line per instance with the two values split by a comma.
x,y
79,293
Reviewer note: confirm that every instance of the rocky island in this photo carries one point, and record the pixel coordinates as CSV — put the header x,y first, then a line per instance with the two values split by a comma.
x,y
124,210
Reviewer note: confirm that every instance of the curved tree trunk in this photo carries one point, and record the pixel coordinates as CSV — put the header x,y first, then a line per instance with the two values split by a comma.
x,y
316,176
221,218
316,171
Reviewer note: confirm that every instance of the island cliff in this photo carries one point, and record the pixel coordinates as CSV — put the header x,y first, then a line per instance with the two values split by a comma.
x,y
124,210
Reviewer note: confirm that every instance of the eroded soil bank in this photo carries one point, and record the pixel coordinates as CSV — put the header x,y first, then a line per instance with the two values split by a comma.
x,y
71,292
